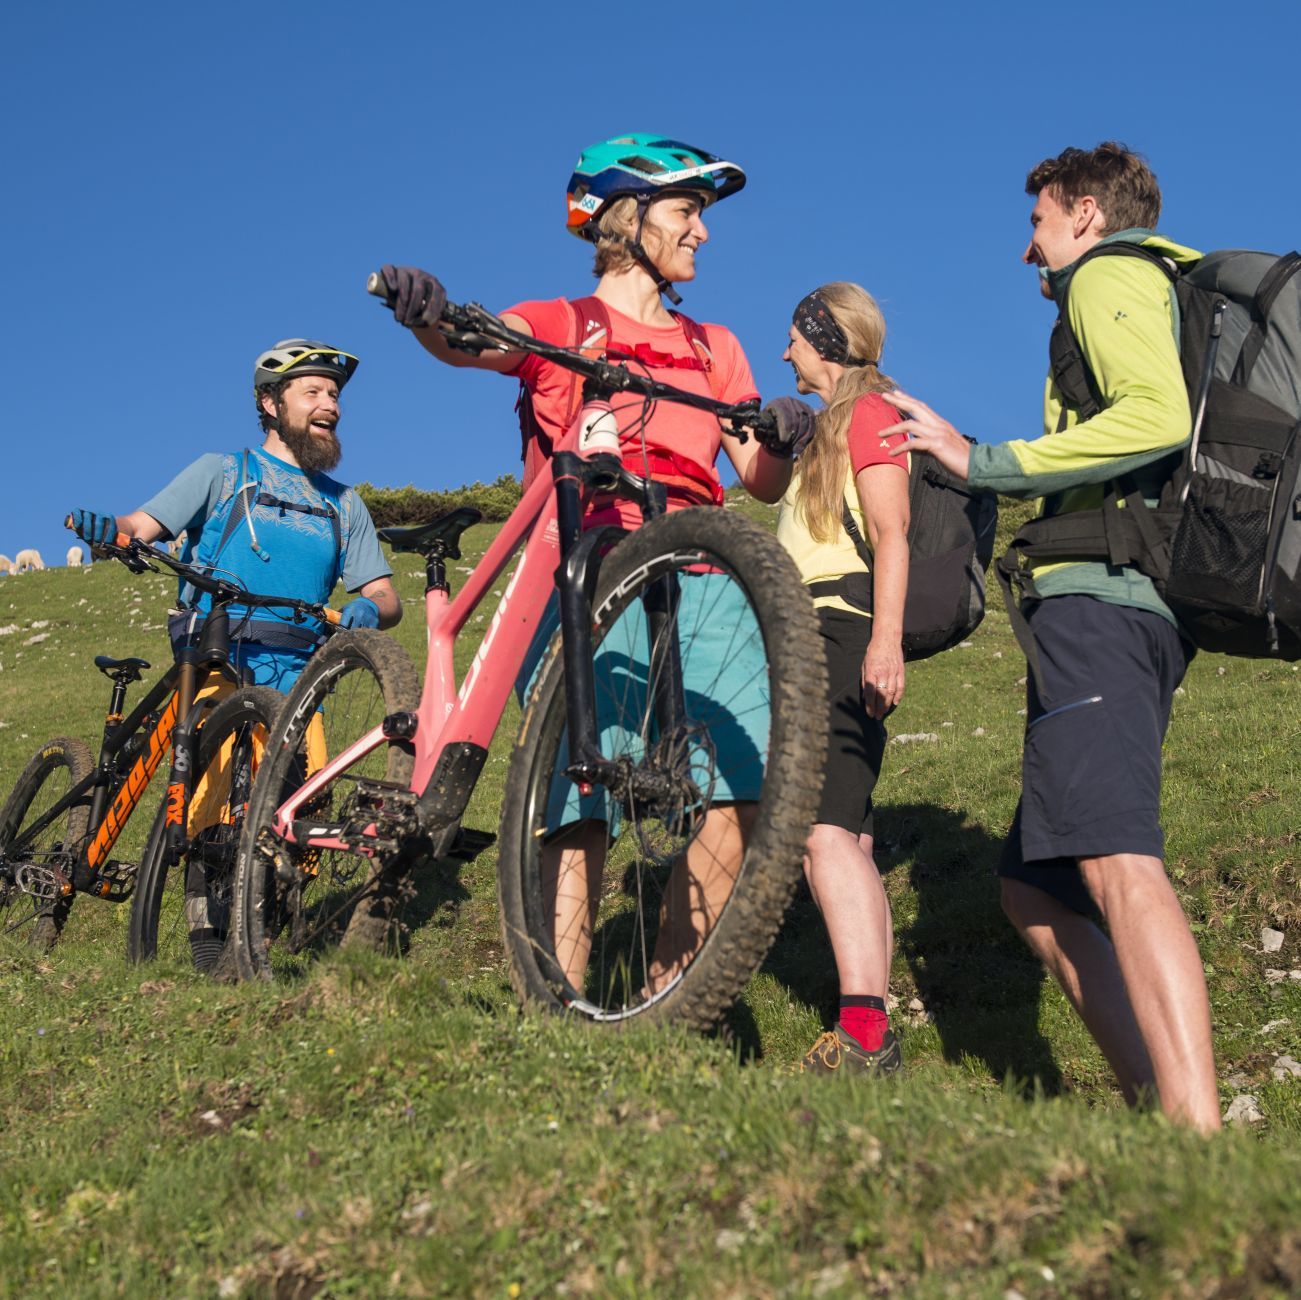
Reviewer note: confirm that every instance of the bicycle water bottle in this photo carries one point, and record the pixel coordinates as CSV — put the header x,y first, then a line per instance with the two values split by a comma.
x,y
598,430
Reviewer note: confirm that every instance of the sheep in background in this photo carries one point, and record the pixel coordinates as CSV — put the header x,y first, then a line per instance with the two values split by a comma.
x,y
6,565
28,559
74,557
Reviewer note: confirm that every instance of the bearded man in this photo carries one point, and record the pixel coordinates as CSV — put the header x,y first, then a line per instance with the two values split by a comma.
x,y
272,519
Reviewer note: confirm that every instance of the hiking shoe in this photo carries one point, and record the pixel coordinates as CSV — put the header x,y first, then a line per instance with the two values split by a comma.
x,y
836,1050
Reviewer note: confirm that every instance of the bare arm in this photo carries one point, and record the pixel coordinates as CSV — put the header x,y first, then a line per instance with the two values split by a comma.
x,y
883,494
138,524
381,591
762,475
434,342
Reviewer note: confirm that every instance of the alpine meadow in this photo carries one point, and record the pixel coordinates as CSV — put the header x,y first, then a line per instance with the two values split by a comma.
x,y
396,1125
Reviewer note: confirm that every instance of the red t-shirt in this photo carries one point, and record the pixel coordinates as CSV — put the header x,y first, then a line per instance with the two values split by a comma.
x,y
866,446
691,435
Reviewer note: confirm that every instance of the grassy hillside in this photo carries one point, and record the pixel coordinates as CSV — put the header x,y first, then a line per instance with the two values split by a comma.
x,y
396,1126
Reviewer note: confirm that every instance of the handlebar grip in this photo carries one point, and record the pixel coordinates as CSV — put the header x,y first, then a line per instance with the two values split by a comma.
x,y
332,615
377,288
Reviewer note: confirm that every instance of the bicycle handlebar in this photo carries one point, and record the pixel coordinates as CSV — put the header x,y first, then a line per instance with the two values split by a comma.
x,y
140,557
472,328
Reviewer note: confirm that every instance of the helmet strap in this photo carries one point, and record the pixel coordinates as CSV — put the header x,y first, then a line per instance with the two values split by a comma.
x,y
642,257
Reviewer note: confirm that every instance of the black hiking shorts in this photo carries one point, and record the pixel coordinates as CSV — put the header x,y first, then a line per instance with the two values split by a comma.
x,y
1091,769
855,741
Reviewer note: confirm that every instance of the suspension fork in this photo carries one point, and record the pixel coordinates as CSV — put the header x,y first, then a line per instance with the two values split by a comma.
x,y
580,563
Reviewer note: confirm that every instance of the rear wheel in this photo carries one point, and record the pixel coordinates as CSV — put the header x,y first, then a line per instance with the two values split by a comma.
x,y
657,898
292,903
36,864
181,912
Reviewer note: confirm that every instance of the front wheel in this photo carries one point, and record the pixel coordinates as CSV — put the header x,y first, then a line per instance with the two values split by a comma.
x,y
36,864
182,911
656,897
292,903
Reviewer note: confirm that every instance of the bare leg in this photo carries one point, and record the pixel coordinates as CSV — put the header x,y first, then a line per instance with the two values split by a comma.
x,y
1082,960
698,889
847,888
1163,976
571,865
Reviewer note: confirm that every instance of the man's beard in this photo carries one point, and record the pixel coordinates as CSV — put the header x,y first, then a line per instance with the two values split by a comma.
x,y
313,451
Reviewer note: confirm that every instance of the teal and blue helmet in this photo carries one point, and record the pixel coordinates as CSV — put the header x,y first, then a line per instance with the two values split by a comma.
x,y
643,166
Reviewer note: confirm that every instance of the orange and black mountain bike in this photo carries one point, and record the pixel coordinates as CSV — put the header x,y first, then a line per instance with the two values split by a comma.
x,y
62,819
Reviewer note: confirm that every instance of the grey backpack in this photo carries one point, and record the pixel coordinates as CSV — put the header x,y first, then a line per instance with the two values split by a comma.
x,y
1223,545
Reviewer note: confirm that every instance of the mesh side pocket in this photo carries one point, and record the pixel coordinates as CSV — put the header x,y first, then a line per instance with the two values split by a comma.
x,y
1219,549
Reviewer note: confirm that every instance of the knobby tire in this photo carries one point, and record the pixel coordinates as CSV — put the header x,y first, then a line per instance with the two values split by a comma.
x,y
185,909
290,903
51,772
715,976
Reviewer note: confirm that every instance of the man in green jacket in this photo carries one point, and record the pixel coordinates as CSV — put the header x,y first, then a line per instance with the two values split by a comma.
x,y
1086,841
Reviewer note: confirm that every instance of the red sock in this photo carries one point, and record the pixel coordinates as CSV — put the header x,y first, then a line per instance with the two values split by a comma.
x,y
864,1020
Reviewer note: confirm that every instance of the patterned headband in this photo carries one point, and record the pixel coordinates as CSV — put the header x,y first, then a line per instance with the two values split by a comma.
x,y
814,320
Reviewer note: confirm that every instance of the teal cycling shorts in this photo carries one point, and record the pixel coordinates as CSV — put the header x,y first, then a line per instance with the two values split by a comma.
x,y
725,683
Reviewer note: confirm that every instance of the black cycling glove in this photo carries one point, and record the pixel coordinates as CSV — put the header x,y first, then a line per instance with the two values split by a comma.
x,y
795,421
416,296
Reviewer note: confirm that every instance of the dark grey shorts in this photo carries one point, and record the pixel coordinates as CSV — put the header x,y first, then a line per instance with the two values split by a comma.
x,y
855,742
1091,770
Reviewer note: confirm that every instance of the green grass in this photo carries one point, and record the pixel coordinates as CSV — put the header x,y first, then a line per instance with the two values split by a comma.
x,y
397,1126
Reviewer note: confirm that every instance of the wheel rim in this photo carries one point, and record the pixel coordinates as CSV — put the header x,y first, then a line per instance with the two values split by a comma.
x,y
670,872
27,879
308,896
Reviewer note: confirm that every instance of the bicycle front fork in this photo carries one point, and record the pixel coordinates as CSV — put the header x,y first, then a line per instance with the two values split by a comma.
x,y
580,566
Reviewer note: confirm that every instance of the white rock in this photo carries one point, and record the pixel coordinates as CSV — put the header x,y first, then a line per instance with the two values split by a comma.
x,y
998,654
912,737
1238,1080
946,724
916,1004
1244,1109
40,623
1219,672
1273,1025
1271,940
730,1240
8,629
964,645
1274,976
1179,690
979,731
37,639
1286,1067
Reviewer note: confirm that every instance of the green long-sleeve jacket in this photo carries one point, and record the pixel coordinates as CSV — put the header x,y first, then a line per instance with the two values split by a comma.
x,y
1126,319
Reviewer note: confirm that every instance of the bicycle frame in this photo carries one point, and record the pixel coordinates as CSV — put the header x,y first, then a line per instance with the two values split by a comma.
x,y
454,726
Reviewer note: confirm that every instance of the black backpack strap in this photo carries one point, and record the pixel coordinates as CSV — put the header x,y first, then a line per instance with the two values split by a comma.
x,y
1271,285
855,536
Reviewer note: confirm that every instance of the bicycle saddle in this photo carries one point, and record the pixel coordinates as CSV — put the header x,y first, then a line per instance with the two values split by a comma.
x,y
129,668
440,536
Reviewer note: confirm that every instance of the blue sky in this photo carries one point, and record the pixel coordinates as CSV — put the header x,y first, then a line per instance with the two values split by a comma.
x,y
188,184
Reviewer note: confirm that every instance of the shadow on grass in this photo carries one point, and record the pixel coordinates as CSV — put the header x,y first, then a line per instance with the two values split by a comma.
x,y
437,889
970,968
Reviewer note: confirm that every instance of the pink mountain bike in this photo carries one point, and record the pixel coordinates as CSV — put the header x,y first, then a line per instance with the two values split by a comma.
x,y
667,767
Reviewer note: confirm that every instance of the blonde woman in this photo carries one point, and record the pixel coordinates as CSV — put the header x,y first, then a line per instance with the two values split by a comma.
x,y
846,470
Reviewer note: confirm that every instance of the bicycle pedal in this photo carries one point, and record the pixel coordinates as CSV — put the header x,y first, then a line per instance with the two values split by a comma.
x,y
42,882
115,881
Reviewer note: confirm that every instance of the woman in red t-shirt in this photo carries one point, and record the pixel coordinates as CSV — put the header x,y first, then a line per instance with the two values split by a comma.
x,y
835,349
639,200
